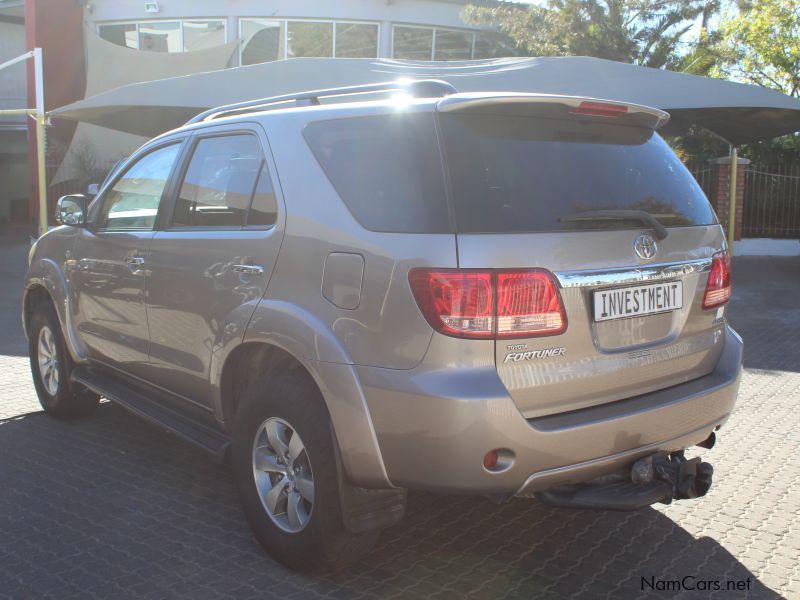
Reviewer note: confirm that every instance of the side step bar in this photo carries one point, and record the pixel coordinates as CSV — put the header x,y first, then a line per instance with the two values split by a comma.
x,y
139,401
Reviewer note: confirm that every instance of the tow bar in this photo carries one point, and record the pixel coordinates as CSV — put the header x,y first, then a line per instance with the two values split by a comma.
x,y
660,477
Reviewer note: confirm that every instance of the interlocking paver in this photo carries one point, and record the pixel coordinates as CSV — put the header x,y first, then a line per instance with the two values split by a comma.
x,y
110,506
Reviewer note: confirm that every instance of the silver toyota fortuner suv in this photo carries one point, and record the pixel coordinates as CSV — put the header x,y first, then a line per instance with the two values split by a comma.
x,y
353,292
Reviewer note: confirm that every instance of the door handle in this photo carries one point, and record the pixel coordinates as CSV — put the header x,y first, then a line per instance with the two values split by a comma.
x,y
249,269
134,260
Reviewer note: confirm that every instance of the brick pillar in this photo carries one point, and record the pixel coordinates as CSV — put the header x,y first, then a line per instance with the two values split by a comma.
x,y
720,190
55,26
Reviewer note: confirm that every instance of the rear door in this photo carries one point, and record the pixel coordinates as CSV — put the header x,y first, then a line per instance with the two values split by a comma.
x,y
210,265
550,187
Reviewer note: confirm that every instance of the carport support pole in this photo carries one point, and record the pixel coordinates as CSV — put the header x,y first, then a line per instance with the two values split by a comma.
x,y
41,140
732,201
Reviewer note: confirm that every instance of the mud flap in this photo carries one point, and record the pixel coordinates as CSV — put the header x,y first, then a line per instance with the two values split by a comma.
x,y
366,509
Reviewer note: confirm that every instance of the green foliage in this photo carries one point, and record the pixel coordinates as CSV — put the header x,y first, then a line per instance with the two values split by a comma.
x,y
698,145
643,32
757,42
761,45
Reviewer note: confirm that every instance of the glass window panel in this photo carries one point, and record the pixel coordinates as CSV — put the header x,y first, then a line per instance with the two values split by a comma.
x,y
386,169
198,35
453,45
356,40
160,37
492,45
132,203
120,34
262,41
218,186
264,209
310,39
412,43
514,173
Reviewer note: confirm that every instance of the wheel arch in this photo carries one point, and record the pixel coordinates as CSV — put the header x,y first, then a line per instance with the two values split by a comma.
x,y
34,295
246,363
339,387
46,277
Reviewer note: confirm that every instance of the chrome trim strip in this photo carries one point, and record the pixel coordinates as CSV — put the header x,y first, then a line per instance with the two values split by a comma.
x,y
619,276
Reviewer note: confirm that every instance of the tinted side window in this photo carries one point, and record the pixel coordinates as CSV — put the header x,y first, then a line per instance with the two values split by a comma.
x,y
218,186
386,169
132,203
530,174
264,209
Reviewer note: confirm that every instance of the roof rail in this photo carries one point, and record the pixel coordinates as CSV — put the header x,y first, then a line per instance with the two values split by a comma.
x,y
420,88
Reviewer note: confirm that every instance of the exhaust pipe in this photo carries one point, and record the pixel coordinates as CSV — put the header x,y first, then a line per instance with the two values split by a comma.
x,y
709,442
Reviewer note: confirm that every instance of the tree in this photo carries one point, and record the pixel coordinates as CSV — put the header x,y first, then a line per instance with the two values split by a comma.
x,y
643,32
761,45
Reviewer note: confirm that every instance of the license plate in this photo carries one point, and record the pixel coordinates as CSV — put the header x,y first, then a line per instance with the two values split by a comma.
x,y
636,301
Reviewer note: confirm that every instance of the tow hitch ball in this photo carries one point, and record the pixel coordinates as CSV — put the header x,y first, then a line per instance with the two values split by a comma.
x,y
686,478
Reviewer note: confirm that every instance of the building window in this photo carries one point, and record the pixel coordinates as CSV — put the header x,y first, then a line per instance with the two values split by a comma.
x,y
160,37
436,43
261,41
412,43
489,44
199,35
265,40
452,45
165,36
309,38
123,34
357,40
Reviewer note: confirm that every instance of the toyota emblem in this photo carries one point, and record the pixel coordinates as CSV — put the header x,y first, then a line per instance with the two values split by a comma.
x,y
645,246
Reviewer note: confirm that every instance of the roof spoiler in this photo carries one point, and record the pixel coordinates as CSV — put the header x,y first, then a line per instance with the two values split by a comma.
x,y
610,111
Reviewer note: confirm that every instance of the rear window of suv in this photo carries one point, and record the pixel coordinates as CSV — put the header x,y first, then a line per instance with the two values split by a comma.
x,y
528,174
386,168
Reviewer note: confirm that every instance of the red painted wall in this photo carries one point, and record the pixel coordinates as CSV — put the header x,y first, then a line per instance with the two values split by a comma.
x,y
55,26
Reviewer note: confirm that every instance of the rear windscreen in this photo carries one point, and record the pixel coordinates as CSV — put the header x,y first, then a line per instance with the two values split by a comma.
x,y
386,168
526,174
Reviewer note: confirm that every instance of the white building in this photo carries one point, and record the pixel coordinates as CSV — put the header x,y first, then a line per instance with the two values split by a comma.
x,y
13,130
277,29
199,35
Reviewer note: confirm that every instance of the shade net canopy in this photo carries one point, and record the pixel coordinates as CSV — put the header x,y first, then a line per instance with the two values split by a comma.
x,y
738,112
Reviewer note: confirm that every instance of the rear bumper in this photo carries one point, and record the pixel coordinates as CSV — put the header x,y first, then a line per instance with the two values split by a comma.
x,y
435,426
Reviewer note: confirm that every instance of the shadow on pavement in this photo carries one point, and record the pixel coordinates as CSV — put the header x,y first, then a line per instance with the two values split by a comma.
x,y
14,246
110,506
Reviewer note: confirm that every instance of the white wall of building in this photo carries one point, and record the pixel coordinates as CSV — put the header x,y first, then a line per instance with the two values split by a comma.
x,y
13,91
428,12
13,94
385,13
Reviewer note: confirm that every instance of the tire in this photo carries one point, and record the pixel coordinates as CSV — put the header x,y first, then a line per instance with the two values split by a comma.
x,y
51,366
289,404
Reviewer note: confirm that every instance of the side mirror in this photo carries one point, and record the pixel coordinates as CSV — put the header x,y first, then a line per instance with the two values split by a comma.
x,y
92,189
71,210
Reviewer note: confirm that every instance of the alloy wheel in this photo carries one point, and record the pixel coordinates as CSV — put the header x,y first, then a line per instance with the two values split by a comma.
x,y
283,475
47,356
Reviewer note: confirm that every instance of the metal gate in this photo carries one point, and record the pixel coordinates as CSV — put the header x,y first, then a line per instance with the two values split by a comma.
x,y
772,201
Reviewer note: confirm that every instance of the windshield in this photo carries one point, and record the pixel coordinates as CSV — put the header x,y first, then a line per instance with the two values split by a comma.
x,y
531,174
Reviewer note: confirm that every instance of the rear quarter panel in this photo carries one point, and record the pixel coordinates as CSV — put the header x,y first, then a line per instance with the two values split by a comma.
x,y
385,328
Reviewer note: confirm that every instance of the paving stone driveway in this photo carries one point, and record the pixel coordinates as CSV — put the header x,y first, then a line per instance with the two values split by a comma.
x,y
111,507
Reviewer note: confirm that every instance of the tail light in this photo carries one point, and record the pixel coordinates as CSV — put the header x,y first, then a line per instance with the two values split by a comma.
x,y
718,288
600,109
489,304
